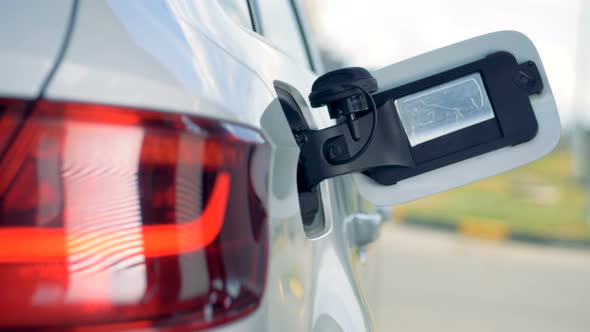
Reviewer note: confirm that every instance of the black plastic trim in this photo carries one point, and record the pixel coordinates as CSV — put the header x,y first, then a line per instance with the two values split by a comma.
x,y
304,36
514,121
310,198
254,16
389,157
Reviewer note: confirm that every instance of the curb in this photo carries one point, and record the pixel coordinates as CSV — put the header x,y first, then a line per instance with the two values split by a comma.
x,y
492,230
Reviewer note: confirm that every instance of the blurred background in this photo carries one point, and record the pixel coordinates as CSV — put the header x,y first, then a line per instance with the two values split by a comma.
x,y
511,253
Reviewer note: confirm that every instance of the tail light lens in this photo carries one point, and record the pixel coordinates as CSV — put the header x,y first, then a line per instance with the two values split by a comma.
x,y
124,219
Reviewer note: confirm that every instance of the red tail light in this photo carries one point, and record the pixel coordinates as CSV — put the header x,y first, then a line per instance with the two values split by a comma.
x,y
123,219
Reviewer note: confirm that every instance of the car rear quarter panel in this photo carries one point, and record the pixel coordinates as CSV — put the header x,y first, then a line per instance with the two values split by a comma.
x,y
188,56
32,34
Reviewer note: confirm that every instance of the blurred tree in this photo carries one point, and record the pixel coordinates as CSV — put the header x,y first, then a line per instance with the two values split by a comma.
x,y
581,139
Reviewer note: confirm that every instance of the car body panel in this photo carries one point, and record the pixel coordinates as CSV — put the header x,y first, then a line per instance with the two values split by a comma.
x,y
188,56
32,35
172,56
481,166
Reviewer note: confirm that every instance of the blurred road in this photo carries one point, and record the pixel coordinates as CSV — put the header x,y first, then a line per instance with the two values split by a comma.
x,y
434,281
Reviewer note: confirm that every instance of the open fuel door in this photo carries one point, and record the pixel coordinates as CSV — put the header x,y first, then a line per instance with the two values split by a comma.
x,y
434,122
470,110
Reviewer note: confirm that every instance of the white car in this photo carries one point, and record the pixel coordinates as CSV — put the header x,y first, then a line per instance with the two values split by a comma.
x,y
161,168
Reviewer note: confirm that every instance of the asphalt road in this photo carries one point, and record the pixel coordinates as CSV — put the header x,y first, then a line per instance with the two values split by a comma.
x,y
432,281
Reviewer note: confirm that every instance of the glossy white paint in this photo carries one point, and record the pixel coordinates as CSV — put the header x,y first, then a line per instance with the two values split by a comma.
x,y
188,56
31,34
482,166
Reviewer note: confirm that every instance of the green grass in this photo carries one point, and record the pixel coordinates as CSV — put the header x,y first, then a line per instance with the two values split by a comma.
x,y
541,198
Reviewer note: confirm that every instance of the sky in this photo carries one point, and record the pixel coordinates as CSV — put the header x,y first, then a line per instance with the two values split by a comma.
x,y
376,33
